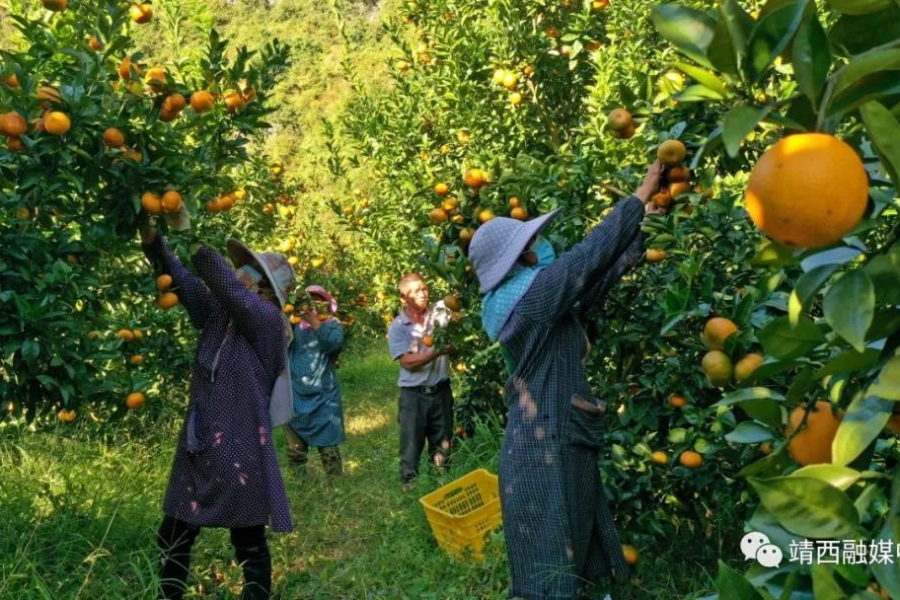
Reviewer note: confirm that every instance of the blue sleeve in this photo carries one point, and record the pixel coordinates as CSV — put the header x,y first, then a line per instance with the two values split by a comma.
x,y
399,340
558,287
331,336
597,290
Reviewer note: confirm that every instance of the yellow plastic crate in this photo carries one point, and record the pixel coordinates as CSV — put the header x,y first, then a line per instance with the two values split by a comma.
x,y
461,512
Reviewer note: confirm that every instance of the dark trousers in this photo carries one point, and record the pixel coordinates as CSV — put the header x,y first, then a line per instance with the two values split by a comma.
x,y
424,415
175,539
298,453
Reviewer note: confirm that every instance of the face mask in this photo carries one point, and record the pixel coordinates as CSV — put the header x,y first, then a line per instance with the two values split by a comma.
x,y
545,252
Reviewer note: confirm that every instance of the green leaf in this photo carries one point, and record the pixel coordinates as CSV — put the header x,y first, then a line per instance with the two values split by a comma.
x,y
849,307
887,573
811,56
858,7
734,586
884,271
808,284
772,254
840,477
764,411
769,466
737,25
689,30
865,418
749,432
887,385
824,585
801,385
856,34
835,256
786,342
808,507
754,393
771,36
697,93
867,89
848,362
864,65
738,123
884,131
703,77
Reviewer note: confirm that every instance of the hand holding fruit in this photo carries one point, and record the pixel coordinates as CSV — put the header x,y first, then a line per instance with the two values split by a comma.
x,y
651,182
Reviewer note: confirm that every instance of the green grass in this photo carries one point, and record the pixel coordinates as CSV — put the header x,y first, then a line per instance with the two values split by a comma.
x,y
80,516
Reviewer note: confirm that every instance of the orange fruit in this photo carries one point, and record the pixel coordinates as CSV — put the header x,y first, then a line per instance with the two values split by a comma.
x,y
141,13
746,365
519,213
134,400
54,5
655,255
167,300
171,202
452,302
125,68
428,341
125,335
234,101
137,334
95,43
288,308
136,359
514,202
894,423
14,144
174,103
163,282
485,215
475,178
599,4
450,204
631,554
671,152
766,448
66,416
678,174
202,101
12,80
57,123
317,262
808,190
465,235
48,93
677,401
690,459
13,124
716,331
515,98
510,80
662,199
167,115
625,134
678,188
718,368
437,216
441,189
113,138
619,119
659,458
134,155
812,445
151,203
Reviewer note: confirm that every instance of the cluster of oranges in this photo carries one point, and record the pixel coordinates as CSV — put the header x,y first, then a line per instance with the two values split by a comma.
x,y
716,363
166,299
52,121
449,207
226,202
509,80
168,203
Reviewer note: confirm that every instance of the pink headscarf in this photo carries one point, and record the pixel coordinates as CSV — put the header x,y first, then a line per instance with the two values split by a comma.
x,y
318,290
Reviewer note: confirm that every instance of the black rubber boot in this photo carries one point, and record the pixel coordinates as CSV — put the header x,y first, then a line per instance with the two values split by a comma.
x,y
331,460
257,564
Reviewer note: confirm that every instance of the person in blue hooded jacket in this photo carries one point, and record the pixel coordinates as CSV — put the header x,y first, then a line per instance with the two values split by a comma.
x,y
318,414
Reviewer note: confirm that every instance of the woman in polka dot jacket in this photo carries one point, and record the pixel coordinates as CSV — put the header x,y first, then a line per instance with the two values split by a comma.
x,y
225,472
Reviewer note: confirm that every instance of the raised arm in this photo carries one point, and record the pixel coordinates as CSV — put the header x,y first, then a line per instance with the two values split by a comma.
x,y
195,297
598,288
255,318
331,336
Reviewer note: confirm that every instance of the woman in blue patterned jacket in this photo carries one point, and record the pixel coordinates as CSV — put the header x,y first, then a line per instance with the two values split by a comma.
x,y
560,534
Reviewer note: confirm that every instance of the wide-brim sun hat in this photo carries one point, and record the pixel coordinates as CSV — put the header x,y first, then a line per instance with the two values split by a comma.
x,y
318,290
497,245
274,266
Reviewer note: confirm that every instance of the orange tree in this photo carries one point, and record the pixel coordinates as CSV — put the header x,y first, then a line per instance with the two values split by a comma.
x,y
826,318
510,106
96,138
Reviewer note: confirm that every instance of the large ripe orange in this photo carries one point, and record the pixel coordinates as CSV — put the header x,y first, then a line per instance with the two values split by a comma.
x,y
690,459
171,202
718,368
519,213
475,178
630,553
452,302
437,216
202,101
234,101
134,400
619,119
746,366
678,174
485,215
174,103
48,93
655,255
813,444
716,331
441,189
151,203
167,300
57,123
659,458
662,199
671,152
13,124
114,138
808,190
125,335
